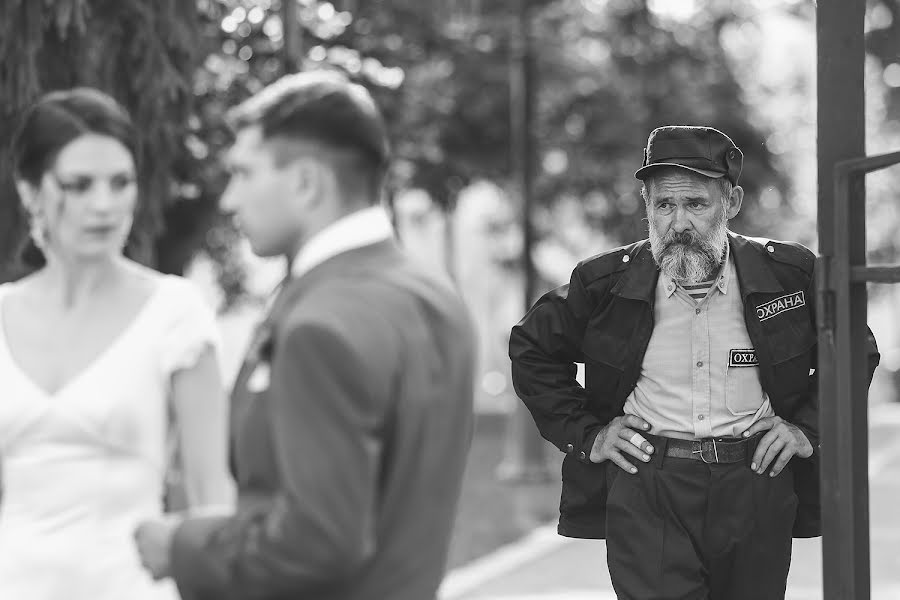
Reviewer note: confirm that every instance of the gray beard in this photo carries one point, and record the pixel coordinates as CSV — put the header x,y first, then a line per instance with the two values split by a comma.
x,y
687,257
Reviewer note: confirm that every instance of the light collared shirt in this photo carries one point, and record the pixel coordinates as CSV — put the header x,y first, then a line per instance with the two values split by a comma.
x,y
356,230
700,375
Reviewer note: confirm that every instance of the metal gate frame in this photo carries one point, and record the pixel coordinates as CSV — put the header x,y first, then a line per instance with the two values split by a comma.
x,y
842,275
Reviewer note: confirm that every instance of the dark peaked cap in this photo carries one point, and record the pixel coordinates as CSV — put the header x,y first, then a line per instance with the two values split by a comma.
x,y
703,150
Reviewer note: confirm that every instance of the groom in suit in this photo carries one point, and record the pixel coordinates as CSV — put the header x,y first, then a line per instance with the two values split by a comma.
x,y
352,413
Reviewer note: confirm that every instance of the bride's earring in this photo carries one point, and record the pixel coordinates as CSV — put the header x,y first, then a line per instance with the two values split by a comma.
x,y
37,228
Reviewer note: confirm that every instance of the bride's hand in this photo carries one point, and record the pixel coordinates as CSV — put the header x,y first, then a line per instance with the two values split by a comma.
x,y
154,540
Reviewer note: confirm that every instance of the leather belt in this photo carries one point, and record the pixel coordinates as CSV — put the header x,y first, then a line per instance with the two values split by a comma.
x,y
720,450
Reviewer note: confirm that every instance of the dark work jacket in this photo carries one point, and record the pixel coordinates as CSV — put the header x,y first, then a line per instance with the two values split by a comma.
x,y
604,319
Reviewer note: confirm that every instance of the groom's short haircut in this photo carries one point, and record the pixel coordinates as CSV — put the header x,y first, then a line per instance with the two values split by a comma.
x,y
327,109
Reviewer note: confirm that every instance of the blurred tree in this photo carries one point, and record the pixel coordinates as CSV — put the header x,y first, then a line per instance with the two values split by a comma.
x,y
613,71
883,129
883,43
607,73
143,52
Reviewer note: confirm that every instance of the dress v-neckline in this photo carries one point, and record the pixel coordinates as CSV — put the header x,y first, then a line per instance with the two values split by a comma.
x,y
117,340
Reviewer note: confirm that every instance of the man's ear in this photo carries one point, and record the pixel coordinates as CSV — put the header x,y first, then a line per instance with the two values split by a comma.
x,y
734,202
306,181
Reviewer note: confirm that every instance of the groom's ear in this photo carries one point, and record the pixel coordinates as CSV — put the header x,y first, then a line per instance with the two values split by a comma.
x,y
308,178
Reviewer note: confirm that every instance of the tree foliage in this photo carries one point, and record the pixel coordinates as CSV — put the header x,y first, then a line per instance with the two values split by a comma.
x,y
142,52
606,74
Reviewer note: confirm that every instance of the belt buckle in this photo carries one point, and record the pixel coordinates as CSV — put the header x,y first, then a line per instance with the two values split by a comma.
x,y
704,451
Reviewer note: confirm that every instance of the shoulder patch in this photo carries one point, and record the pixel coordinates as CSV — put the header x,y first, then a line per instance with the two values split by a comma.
x,y
607,263
791,253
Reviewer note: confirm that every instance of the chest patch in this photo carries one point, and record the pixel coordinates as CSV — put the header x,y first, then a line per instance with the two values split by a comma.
x,y
743,358
775,307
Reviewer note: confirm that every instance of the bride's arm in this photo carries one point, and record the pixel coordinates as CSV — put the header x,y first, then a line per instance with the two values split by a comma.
x,y
200,411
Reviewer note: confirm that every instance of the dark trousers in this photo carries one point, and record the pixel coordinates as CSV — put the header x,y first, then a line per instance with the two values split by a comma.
x,y
682,529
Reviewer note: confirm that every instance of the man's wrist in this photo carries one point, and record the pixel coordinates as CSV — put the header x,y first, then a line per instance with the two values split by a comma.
x,y
810,447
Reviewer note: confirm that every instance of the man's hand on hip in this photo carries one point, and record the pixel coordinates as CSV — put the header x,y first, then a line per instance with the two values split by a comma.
x,y
782,442
620,438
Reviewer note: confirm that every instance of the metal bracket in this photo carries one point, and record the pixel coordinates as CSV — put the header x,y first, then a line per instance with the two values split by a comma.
x,y
825,317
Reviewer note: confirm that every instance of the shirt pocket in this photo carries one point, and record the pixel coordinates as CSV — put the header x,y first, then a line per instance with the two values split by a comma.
x,y
743,393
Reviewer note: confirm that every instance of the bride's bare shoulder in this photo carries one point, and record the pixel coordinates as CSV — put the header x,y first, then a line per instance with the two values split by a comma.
x,y
21,287
151,280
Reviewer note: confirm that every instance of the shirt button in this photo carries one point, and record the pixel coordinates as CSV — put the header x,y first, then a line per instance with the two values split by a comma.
x,y
698,311
700,418
700,363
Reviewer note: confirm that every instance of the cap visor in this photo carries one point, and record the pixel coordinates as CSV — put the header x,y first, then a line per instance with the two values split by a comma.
x,y
644,172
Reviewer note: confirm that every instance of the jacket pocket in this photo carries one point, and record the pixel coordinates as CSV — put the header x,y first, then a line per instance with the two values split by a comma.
x,y
601,382
743,393
584,487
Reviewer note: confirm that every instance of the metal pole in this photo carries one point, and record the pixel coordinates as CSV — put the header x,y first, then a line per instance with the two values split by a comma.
x,y
525,459
292,45
842,377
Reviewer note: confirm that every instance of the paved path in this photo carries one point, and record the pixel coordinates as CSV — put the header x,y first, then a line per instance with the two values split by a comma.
x,y
544,566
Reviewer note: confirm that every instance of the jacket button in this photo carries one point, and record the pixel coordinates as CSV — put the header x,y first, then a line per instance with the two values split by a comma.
x,y
570,448
626,258
582,455
770,248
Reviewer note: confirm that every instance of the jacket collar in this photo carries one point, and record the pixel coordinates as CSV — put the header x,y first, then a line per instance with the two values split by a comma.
x,y
362,261
752,265
638,282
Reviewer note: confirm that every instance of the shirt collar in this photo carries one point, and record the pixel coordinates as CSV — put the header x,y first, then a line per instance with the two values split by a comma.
x,y
361,228
722,280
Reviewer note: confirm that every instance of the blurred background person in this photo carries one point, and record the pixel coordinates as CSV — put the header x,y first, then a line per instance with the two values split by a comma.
x,y
353,409
98,355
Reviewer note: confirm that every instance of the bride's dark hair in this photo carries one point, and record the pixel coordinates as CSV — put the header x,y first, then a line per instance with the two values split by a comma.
x,y
53,122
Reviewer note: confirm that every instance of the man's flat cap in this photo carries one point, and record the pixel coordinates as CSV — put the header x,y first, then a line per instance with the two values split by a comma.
x,y
703,150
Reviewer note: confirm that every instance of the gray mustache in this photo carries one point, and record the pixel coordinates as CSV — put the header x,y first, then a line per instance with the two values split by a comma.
x,y
685,238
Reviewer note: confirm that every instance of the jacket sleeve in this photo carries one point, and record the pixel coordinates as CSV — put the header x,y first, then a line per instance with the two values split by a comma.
x,y
544,348
319,528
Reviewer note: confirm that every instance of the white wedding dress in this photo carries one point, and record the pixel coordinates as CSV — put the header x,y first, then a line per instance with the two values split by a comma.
x,y
82,467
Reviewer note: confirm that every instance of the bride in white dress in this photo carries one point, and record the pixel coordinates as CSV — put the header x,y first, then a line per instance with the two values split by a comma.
x,y
103,364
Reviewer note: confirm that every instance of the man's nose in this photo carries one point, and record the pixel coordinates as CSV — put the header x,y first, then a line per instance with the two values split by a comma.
x,y
681,221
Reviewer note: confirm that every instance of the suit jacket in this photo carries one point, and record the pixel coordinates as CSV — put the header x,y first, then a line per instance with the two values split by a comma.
x,y
351,421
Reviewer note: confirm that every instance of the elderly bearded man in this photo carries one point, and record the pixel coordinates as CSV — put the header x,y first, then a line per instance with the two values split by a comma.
x,y
693,445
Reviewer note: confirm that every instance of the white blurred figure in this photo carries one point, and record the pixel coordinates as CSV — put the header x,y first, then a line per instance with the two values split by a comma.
x,y
99,357
488,248
423,228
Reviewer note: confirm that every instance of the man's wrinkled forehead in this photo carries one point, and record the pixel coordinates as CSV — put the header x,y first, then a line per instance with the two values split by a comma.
x,y
678,182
